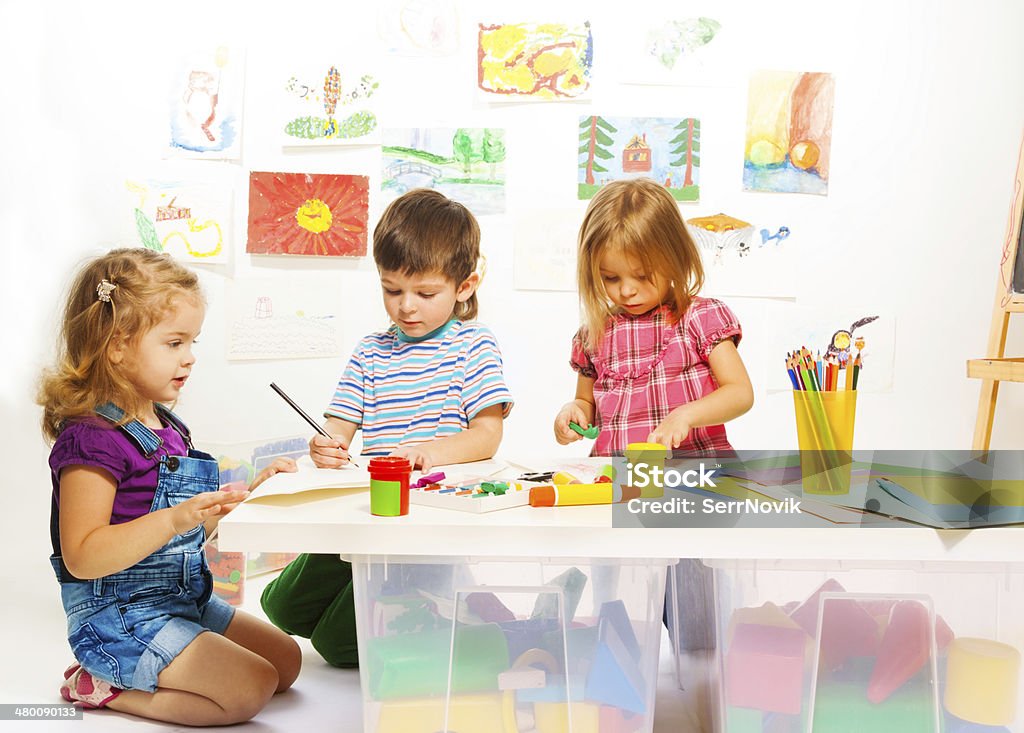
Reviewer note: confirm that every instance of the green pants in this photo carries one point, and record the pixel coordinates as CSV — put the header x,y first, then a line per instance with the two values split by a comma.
x,y
312,598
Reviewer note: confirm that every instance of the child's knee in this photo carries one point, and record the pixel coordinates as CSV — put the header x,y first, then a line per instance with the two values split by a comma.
x,y
253,689
289,664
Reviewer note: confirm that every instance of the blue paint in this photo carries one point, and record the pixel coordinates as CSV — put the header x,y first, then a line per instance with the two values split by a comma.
x,y
783,178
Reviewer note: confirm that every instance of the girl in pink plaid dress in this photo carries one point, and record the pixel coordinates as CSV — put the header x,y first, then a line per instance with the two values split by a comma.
x,y
655,362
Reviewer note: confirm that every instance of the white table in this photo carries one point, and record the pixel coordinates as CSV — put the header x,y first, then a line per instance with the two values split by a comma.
x,y
339,521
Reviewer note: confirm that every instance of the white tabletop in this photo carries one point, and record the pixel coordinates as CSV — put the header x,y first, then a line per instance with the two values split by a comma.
x,y
339,521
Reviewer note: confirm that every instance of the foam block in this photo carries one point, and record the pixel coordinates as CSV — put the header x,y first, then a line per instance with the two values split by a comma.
x,y
847,629
553,690
743,720
553,717
572,582
981,681
767,614
841,707
614,613
955,725
489,608
905,649
614,677
764,668
614,720
467,712
522,678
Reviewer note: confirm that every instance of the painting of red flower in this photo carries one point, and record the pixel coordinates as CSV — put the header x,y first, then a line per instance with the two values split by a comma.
x,y
307,214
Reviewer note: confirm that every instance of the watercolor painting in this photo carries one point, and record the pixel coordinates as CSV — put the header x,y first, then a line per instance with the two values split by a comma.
x,y
544,242
666,149
332,105
742,259
419,27
189,220
534,61
789,132
845,330
205,105
284,318
465,164
308,214
680,51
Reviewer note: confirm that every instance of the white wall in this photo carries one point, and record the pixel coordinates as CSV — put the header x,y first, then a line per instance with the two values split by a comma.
x,y
928,119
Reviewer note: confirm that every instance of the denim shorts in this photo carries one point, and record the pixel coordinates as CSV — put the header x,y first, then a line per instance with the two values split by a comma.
x,y
125,630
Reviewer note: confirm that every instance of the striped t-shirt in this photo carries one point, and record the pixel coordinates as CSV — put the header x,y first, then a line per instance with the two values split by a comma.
x,y
403,391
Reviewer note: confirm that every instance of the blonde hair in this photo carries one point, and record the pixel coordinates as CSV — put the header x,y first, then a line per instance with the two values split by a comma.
x,y
424,231
145,285
640,219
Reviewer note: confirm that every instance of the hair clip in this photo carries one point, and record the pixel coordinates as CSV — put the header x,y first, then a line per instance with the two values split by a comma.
x,y
104,289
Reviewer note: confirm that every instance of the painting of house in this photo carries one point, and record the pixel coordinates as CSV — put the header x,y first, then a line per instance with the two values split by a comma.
x,y
636,156
665,149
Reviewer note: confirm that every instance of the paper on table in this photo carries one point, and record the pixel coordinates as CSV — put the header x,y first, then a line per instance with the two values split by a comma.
x,y
311,478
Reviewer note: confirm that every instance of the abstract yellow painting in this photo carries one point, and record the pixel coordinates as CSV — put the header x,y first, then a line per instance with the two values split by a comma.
x,y
540,61
789,132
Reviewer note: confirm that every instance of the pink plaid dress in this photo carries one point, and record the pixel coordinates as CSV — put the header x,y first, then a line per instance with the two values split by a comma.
x,y
646,366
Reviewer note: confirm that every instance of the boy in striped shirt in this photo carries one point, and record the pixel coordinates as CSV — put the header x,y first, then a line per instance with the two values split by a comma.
x,y
430,389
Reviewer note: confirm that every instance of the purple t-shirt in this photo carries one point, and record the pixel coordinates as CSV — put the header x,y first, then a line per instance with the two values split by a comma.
x,y
95,442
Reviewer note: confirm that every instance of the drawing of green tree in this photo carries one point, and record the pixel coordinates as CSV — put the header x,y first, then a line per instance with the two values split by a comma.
x,y
593,134
493,147
467,148
687,147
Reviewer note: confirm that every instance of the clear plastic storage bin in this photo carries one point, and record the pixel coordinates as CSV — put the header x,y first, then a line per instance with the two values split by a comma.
x,y
858,647
472,645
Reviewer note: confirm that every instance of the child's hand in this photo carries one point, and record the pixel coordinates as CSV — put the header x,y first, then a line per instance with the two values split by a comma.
x,y
417,456
328,452
190,513
671,432
285,465
571,412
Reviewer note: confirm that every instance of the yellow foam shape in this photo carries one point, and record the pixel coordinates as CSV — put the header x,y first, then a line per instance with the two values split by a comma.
x,y
553,717
981,681
483,713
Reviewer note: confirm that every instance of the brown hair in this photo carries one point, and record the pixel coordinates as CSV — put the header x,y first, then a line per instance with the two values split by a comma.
x,y
639,218
145,285
424,231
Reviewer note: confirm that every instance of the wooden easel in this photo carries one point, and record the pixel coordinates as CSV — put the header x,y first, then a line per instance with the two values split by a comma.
x,y
996,367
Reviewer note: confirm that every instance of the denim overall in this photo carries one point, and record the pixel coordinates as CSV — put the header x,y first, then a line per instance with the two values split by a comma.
x,y
126,627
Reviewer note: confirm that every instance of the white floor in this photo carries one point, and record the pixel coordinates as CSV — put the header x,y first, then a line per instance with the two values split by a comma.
x,y
34,653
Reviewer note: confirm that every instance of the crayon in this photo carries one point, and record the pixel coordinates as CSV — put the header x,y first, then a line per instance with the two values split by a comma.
x,y
580,494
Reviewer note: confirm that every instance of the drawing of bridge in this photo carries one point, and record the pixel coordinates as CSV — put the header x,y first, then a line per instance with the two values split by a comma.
x,y
413,169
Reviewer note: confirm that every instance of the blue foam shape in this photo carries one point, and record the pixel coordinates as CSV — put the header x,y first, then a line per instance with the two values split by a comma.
x,y
614,677
613,615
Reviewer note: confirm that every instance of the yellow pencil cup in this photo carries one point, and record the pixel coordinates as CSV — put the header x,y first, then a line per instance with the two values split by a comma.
x,y
653,455
824,429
